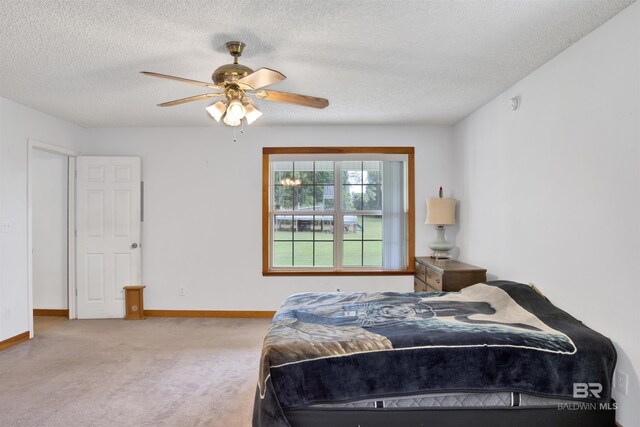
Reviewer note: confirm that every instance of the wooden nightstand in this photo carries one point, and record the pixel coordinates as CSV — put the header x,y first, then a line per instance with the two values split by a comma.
x,y
446,275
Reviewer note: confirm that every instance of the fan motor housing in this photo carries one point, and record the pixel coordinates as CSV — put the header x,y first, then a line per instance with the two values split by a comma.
x,y
230,73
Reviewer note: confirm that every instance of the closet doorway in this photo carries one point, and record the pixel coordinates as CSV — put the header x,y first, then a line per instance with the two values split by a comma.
x,y
51,207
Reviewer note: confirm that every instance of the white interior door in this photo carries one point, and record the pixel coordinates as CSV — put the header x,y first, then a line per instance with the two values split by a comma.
x,y
108,233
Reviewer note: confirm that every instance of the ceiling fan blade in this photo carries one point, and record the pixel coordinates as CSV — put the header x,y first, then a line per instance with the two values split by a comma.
x,y
189,99
292,98
180,79
262,77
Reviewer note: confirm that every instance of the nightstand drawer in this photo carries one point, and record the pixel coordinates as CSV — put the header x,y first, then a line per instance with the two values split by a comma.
x,y
420,271
447,275
434,280
419,286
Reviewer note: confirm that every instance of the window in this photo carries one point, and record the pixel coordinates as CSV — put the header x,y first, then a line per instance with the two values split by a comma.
x,y
338,210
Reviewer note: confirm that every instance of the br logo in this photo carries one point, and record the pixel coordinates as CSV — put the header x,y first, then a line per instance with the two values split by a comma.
x,y
585,390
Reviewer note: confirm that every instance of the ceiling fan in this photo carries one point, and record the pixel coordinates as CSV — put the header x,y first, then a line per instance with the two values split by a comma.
x,y
237,83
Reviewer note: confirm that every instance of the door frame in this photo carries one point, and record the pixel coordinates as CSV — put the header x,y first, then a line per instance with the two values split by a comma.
x,y
33,144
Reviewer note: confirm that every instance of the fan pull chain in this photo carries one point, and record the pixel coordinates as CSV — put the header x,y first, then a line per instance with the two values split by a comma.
x,y
234,134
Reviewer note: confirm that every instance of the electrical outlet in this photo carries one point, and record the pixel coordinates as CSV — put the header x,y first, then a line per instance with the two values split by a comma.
x,y
181,292
622,382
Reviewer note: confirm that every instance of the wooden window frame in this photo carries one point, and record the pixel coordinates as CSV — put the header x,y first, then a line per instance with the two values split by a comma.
x,y
268,151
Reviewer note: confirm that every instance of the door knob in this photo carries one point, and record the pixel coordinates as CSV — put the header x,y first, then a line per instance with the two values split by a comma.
x,y
134,245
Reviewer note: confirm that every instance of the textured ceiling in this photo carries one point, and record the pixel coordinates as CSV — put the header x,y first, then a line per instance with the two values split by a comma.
x,y
384,62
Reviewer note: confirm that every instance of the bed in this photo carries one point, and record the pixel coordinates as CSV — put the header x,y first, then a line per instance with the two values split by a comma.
x,y
495,353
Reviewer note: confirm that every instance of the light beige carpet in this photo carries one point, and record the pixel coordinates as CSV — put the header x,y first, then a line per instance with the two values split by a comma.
x,y
172,372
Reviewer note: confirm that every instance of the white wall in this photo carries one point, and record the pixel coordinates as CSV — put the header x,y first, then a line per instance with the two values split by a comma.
x,y
202,228
551,193
49,186
17,124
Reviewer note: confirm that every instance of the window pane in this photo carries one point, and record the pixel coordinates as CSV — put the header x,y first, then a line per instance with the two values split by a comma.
x,y
323,254
283,198
372,172
352,227
324,197
362,240
303,197
372,254
323,227
372,197
303,254
351,172
303,227
282,227
371,227
352,197
282,170
324,172
352,253
304,172
282,254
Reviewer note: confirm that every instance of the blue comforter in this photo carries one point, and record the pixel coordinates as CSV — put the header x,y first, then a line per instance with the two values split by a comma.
x,y
500,336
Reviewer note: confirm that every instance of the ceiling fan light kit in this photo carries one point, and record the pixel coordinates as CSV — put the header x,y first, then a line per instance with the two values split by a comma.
x,y
237,82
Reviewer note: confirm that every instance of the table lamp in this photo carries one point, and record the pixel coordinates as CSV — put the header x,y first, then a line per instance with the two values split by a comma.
x,y
441,212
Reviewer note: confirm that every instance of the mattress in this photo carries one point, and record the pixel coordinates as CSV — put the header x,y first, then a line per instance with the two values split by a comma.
x,y
449,400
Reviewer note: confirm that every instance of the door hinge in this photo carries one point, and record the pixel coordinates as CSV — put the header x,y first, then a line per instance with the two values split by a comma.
x,y
76,291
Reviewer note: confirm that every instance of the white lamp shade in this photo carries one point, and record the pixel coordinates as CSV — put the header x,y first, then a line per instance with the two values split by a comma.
x,y
217,110
252,113
441,211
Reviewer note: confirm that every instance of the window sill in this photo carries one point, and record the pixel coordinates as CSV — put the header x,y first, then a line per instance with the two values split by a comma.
x,y
407,272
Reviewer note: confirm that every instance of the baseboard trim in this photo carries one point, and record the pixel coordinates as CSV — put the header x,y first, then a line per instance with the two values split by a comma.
x,y
9,342
63,312
234,314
